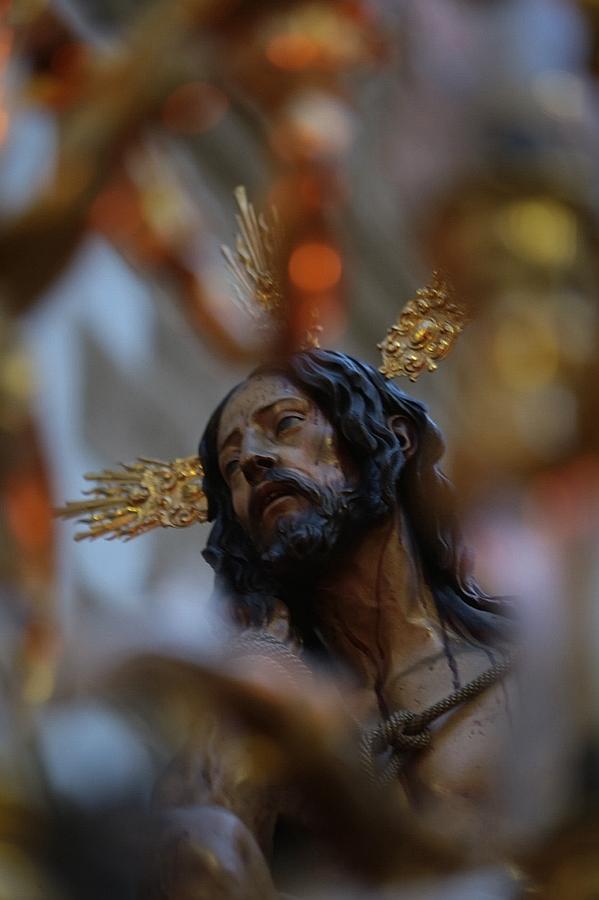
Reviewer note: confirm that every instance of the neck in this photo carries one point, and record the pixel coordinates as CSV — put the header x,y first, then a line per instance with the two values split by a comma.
x,y
375,610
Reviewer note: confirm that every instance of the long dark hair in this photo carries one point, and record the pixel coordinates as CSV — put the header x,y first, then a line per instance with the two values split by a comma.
x,y
359,403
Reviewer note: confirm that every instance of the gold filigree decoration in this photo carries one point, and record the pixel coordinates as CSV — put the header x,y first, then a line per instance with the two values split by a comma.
x,y
313,331
425,331
255,268
255,264
144,495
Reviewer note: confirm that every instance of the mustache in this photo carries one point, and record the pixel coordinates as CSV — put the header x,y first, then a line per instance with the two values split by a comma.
x,y
326,498
293,483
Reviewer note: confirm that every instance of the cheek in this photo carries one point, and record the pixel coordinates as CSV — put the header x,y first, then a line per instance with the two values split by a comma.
x,y
240,499
327,452
324,458
334,460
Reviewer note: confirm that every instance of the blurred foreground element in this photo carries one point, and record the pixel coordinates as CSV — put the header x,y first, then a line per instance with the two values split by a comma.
x,y
233,730
252,726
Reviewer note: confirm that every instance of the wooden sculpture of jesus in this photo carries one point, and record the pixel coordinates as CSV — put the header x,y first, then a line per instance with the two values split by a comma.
x,y
327,501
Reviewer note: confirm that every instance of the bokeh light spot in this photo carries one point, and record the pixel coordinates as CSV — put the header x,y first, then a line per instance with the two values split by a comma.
x,y
319,123
314,267
193,108
292,52
4,123
526,351
27,511
540,231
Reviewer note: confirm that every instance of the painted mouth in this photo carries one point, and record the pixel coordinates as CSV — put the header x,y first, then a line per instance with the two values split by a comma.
x,y
268,495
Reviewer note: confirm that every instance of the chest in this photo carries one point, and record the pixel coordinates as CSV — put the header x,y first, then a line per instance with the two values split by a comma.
x,y
454,783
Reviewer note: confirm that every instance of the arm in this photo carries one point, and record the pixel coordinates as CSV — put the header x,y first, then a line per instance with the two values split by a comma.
x,y
215,827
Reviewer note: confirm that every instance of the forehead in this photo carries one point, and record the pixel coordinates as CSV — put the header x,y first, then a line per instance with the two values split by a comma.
x,y
257,392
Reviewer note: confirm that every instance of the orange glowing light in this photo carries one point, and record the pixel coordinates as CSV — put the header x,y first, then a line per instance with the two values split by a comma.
x,y
6,38
27,510
68,59
193,108
292,51
116,211
40,639
4,123
315,267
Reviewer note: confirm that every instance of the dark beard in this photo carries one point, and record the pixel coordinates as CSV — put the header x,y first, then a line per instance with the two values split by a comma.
x,y
303,544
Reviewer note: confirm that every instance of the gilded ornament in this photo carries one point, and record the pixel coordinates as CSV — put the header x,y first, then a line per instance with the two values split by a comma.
x,y
313,331
255,267
255,264
425,331
145,495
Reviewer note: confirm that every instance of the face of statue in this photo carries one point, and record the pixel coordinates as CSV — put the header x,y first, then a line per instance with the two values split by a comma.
x,y
288,480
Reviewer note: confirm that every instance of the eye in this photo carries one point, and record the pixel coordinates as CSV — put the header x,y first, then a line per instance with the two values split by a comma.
x,y
231,467
287,422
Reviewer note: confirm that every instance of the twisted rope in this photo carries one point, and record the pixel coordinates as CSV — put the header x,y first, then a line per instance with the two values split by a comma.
x,y
405,732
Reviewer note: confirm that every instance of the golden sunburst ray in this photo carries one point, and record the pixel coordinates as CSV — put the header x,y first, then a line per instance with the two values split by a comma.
x,y
146,494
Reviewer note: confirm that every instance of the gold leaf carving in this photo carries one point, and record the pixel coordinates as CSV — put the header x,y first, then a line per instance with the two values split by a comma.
x,y
425,331
144,495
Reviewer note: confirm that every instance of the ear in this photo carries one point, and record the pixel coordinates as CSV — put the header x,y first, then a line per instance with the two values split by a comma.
x,y
405,432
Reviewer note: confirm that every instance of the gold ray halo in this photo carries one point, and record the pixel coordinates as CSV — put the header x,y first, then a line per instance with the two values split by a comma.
x,y
255,267
139,497
255,264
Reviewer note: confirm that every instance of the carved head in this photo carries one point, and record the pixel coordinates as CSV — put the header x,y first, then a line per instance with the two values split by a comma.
x,y
289,479
301,458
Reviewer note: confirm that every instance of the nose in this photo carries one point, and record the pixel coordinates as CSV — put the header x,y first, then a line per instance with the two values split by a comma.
x,y
255,462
